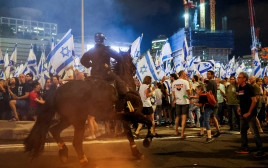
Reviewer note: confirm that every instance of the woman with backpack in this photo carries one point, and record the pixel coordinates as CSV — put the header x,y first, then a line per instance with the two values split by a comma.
x,y
206,110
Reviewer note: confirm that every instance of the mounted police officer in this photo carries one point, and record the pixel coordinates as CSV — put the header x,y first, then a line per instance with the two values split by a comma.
x,y
99,59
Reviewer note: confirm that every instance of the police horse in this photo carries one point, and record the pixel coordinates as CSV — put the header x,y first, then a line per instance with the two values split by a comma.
x,y
75,100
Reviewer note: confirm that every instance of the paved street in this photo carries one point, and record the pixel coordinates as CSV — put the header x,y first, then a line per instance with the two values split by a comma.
x,y
167,152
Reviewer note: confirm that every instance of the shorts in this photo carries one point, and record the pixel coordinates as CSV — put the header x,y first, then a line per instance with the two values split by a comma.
x,y
182,109
22,106
147,110
215,111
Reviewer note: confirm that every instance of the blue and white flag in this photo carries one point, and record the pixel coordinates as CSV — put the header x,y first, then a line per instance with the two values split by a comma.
x,y
11,68
145,67
166,53
205,66
19,70
185,51
192,67
136,48
264,71
222,73
2,76
62,56
31,64
6,60
257,66
1,57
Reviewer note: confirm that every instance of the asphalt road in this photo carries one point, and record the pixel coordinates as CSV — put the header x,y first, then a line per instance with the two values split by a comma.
x,y
165,152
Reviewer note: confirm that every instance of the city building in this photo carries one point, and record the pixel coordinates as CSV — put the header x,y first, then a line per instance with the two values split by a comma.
x,y
216,45
157,45
21,27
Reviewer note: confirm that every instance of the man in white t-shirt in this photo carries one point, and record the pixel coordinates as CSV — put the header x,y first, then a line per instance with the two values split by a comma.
x,y
181,91
68,76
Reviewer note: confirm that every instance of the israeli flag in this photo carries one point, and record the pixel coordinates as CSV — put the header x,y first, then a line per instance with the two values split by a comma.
x,y
166,52
257,66
41,64
32,63
178,64
6,60
205,66
19,70
192,67
136,48
145,67
12,62
222,73
264,72
185,51
77,64
62,56
2,76
1,57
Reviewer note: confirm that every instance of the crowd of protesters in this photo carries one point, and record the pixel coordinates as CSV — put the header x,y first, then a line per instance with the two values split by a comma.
x,y
240,103
20,97
174,101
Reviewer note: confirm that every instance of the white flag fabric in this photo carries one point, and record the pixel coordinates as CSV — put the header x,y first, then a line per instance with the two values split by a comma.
x,y
257,66
136,48
1,57
62,56
145,67
31,63
223,71
205,66
192,67
185,51
165,53
264,71
19,70
42,70
6,60
11,68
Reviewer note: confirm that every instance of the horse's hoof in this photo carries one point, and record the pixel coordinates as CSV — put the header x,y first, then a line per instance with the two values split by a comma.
x,y
136,153
83,161
147,142
63,154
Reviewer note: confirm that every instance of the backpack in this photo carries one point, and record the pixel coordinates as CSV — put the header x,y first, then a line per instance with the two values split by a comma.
x,y
211,98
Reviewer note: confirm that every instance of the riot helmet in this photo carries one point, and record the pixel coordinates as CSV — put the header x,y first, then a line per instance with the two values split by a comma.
x,y
99,38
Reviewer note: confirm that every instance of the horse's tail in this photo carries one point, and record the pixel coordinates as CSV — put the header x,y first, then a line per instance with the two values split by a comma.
x,y
34,143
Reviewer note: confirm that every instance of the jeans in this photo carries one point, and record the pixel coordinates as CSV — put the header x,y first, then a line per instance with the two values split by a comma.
x,y
204,118
195,109
245,123
158,111
220,113
232,109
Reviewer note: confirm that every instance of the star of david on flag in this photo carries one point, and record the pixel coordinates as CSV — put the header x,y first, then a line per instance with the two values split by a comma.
x,y
62,56
204,66
145,67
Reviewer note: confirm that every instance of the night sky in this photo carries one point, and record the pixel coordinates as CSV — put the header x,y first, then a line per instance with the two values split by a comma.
x,y
125,20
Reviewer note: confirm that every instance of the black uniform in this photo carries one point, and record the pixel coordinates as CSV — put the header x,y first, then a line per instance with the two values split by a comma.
x,y
97,57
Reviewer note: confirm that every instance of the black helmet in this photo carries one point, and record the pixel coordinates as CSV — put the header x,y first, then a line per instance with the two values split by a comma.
x,y
99,37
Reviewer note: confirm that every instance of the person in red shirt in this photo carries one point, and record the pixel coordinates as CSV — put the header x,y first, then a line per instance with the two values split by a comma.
x,y
35,101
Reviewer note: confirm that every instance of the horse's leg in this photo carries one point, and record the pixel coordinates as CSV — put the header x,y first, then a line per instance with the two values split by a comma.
x,y
135,152
55,131
79,129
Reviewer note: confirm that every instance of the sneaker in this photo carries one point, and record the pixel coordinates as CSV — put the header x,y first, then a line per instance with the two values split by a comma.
x,y
201,135
242,151
217,135
259,154
209,140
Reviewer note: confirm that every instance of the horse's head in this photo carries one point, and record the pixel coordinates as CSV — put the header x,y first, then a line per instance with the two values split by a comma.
x,y
126,69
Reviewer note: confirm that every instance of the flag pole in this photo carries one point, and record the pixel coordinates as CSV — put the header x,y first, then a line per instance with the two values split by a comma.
x,y
82,21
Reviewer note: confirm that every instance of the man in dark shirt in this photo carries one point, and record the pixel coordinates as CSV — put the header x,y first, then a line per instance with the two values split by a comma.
x,y
212,86
3,100
21,101
248,111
